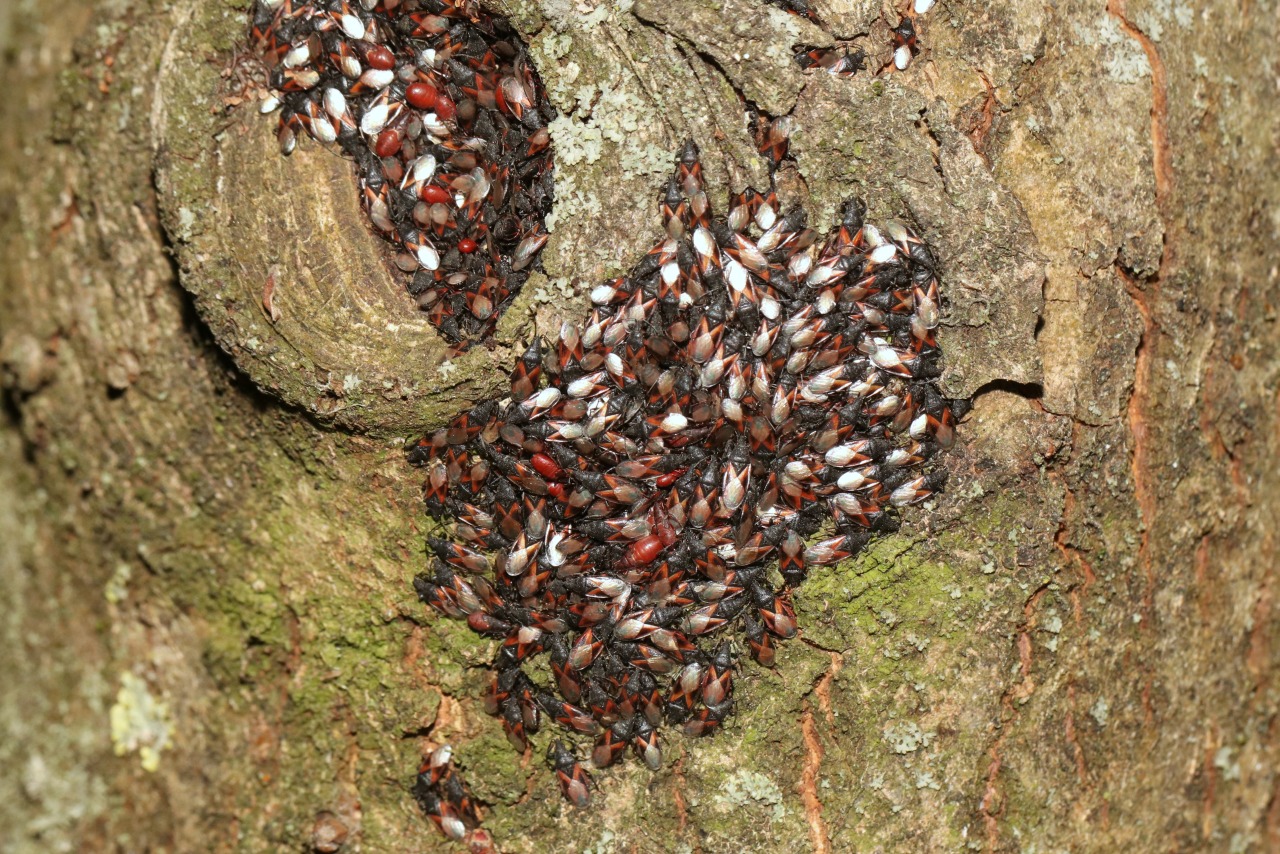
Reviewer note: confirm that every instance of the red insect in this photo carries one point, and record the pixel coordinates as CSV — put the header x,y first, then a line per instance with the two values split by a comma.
x,y
611,744
574,780
644,742
642,552
421,95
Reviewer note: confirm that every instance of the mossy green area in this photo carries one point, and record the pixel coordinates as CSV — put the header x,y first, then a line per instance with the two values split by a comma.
x,y
310,631
895,585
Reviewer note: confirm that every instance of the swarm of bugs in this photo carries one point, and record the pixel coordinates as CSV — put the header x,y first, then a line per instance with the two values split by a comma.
x,y
748,404
651,485
437,104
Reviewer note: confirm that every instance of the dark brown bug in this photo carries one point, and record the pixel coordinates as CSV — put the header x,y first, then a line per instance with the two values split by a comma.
x,y
611,744
447,801
904,43
717,680
839,62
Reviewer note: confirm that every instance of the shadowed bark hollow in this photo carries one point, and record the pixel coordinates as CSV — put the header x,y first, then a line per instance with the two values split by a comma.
x,y
209,369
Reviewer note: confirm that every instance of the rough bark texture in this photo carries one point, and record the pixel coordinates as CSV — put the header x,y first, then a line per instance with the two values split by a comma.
x,y
210,640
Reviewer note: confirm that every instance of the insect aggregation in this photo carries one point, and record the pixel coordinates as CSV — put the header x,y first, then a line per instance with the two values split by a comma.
x,y
750,403
445,120
651,486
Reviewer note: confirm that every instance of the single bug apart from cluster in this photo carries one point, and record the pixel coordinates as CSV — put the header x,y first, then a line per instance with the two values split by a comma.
x,y
905,46
439,107
641,506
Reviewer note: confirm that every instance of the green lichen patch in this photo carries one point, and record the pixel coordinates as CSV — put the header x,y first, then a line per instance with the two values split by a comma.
x,y
888,584
745,790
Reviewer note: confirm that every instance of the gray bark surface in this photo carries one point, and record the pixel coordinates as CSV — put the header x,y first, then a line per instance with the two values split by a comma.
x,y
210,641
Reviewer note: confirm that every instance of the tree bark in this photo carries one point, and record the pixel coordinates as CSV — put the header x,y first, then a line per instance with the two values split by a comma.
x,y
210,638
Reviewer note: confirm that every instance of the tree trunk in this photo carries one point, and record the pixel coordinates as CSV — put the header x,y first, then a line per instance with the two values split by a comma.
x,y
211,641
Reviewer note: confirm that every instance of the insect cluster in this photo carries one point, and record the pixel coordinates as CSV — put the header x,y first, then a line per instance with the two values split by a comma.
x,y
649,488
748,404
437,104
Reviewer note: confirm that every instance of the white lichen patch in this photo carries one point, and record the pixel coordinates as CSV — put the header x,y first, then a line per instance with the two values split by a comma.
x,y
139,722
606,843
1053,625
601,111
906,737
556,290
60,797
552,48
779,50
1223,761
186,224
580,14
608,115
576,141
926,780
571,202
1101,711
744,788
1152,20
1123,57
